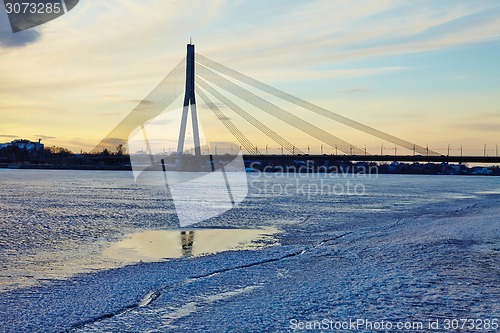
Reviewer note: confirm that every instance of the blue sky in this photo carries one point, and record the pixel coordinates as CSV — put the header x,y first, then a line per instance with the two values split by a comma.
x,y
426,71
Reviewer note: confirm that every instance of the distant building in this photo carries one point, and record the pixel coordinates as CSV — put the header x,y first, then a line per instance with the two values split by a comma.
x,y
21,150
481,171
23,144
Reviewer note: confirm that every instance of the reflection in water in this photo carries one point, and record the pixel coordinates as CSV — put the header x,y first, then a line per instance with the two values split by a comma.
x,y
187,239
147,246
164,244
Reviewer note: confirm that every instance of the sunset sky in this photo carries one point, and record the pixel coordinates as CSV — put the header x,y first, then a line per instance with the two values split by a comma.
x,y
425,71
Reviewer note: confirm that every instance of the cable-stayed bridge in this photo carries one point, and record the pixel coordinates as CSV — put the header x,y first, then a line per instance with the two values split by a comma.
x,y
241,104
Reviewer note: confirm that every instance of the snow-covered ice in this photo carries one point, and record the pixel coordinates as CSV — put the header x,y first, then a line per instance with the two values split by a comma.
x,y
409,249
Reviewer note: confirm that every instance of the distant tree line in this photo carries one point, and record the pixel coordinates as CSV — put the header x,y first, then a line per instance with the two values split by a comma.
x,y
13,153
121,150
54,151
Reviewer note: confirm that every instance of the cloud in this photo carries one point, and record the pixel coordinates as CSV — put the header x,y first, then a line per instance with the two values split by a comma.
x,y
107,114
321,74
355,90
359,72
8,136
45,137
8,39
334,32
20,39
486,127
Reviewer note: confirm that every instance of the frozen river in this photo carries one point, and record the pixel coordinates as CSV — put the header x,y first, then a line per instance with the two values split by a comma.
x,y
92,251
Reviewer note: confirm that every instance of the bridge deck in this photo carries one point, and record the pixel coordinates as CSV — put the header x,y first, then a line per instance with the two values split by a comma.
x,y
381,158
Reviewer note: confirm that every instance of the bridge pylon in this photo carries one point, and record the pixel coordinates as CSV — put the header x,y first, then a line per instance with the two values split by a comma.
x,y
189,103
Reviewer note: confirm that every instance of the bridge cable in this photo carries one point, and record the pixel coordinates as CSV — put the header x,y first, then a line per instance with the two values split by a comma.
x,y
277,112
312,107
161,97
242,139
249,118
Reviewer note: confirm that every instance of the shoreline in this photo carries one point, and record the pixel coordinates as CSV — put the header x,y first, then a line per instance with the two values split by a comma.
x,y
381,169
64,167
